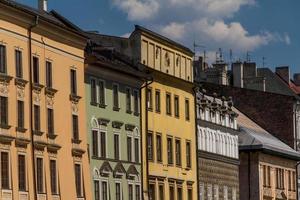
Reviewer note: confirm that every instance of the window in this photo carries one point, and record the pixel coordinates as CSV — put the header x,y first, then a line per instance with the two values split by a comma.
x,y
190,194
53,177
78,183
158,148
176,106
171,192
161,192
103,144
50,118
151,192
117,146
104,190
170,150
93,91
3,110
20,114
225,193
137,150
49,74
39,175
136,101
75,127
96,190
36,70
129,149
137,192
4,170
168,104
116,96
37,120
178,152
179,193
18,60
216,192
73,82
149,99
118,191
130,192
150,146
187,109
157,100
95,143
2,59
128,100
279,178
101,93
22,172
188,154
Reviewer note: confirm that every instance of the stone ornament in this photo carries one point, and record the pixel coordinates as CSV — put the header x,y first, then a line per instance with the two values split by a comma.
x,y
4,90
74,107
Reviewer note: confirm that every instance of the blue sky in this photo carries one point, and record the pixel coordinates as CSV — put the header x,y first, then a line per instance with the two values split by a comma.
x,y
265,28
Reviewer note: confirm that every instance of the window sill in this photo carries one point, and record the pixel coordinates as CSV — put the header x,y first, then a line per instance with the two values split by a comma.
x,y
129,111
38,133
76,141
5,126
20,82
51,136
5,78
101,105
157,111
75,98
93,103
37,86
50,91
136,114
21,130
150,109
116,109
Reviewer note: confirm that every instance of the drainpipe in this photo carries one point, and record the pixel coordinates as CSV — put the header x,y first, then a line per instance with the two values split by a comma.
x,y
249,176
297,183
195,90
146,130
31,102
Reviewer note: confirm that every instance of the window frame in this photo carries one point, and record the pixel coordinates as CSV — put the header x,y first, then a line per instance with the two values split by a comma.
x,y
116,97
178,152
19,63
54,191
22,187
170,150
49,74
150,148
159,155
187,109
176,106
3,65
157,101
168,101
128,101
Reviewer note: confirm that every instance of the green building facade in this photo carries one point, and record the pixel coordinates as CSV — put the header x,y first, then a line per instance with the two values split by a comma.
x,y
113,116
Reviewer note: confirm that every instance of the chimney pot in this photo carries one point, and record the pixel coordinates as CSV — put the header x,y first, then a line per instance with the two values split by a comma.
x,y
43,5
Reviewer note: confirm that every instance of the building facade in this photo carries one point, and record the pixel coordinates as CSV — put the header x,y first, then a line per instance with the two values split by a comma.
x,y
268,166
169,148
113,115
42,149
218,153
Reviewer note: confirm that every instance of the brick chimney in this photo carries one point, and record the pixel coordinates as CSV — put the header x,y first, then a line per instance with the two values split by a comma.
x,y
284,73
297,79
43,5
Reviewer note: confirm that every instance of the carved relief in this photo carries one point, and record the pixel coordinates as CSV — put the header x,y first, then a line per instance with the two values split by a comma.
x,y
36,97
4,90
74,108
49,102
20,93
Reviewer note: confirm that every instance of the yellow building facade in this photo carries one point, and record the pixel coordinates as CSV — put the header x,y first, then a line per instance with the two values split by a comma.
x,y
43,147
168,118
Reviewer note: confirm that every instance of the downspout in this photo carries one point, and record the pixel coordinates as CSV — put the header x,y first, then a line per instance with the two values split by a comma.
x,y
196,134
146,130
297,183
31,103
249,176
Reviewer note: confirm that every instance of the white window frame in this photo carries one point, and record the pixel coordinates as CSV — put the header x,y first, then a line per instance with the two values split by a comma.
x,y
96,88
138,100
118,88
57,183
26,174
43,172
120,145
121,189
100,145
81,174
131,93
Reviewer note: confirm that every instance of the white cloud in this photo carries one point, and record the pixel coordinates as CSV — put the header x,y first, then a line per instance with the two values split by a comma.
x,y
138,9
175,30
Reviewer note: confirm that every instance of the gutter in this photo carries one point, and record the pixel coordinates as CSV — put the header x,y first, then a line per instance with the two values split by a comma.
x,y
141,135
36,22
196,135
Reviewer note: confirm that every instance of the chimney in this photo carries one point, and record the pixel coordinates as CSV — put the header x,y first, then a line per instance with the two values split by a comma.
x,y
43,5
284,73
238,74
297,79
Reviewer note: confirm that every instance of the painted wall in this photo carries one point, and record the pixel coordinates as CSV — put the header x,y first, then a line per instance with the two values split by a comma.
x,y
63,58
95,112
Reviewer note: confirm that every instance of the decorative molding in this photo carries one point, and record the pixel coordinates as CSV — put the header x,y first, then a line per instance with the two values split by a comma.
x,y
103,121
117,124
50,92
119,170
75,98
20,83
129,127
